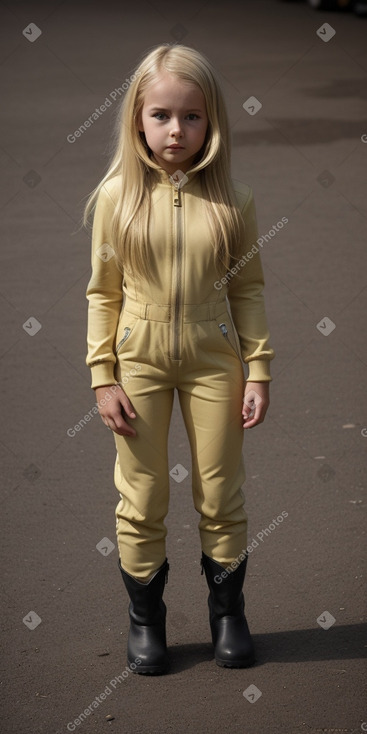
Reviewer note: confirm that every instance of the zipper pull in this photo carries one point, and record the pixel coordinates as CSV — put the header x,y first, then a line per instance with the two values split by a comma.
x,y
177,197
223,329
126,334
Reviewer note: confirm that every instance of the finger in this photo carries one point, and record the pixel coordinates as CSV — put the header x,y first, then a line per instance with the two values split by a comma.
x,y
127,405
117,424
121,426
125,430
250,423
253,416
258,417
248,409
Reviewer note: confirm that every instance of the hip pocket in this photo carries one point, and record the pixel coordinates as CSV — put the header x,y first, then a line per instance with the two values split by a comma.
x,y
225,326
125,328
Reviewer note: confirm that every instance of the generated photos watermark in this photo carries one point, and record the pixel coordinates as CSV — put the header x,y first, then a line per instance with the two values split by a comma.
x,y
72,725
249,255
254,544
99,111
73,430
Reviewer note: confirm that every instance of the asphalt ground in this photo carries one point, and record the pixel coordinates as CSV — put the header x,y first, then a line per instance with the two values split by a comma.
x,y
64,608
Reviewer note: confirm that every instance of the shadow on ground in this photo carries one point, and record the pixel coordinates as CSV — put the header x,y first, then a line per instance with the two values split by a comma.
x,y
344,642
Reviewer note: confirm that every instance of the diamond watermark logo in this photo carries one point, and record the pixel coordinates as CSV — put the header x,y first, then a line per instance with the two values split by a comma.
x,y
32,326
32,179
179,473
32,472
325,326
252,693
32,620
326,620
105,252
326,32
325,179
178,179
105,546
326,472
32,32
252,105
179,31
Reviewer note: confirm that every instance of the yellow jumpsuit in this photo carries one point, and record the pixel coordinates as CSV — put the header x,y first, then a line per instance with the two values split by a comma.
x,y
180,329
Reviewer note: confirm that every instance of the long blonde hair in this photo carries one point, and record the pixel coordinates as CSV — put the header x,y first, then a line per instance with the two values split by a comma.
x,y
131,160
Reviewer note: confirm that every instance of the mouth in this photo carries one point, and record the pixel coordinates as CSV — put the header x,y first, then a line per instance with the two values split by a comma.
x,y
175,147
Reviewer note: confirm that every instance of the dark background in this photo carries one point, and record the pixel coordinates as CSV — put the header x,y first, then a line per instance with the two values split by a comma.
x,y
304,155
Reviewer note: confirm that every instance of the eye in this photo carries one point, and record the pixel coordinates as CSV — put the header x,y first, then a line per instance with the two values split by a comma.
x,y
160,115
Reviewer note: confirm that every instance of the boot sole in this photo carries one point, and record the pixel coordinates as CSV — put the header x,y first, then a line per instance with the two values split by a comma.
x,y
150,671
235,663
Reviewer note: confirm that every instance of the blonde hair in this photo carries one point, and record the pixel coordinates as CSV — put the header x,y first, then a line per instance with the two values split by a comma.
x,y
131,160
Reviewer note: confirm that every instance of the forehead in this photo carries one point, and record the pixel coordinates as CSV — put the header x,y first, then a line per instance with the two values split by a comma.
x,y
168,90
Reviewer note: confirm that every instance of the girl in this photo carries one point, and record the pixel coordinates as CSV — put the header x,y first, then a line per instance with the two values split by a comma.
x,y
174,236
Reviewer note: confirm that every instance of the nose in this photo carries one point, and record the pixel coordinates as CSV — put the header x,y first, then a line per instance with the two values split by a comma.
x,y
176,130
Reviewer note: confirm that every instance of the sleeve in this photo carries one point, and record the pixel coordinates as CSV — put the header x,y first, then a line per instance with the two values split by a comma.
x,y
247,302
105,295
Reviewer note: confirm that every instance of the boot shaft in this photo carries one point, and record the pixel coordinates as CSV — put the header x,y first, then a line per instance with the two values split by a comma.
x,y
146,603
226,596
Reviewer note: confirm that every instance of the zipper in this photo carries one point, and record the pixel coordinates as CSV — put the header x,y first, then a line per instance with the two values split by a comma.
x,y
224,331
127,331
177,203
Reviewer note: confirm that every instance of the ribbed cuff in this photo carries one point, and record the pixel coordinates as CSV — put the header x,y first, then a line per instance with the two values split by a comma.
x,y
103,374
259,371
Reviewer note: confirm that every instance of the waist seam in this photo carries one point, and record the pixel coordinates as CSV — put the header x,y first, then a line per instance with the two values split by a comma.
x,y
162,312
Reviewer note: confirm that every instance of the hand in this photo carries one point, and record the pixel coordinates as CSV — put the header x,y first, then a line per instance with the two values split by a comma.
x,y
113,405
255,403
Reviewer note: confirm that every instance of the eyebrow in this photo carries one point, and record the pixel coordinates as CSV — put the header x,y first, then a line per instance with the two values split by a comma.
x,y
164,109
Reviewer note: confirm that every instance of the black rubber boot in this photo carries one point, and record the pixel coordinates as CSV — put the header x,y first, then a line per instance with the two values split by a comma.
x,y
147,611
233,646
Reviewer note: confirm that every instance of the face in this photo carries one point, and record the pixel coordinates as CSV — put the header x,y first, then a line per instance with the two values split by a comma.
x,y
174,113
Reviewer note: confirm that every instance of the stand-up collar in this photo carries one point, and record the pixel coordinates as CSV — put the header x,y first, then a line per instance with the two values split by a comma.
x,y
169,179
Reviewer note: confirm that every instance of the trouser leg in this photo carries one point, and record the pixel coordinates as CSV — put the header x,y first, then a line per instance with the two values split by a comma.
x,y
142,479
211,403
211,398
